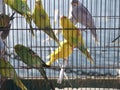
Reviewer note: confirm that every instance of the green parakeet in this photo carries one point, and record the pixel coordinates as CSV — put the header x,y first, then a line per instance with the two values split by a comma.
x,y
42,21
21,7
74,36
8,71
32,60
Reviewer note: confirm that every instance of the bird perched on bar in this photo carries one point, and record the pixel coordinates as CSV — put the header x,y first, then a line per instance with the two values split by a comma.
x,y
4,31
21,7
8,71
32,60
5,25
42,21
63,51
80,14
74,36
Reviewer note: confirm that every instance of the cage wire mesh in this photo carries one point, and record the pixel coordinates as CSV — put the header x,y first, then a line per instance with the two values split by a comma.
x,y
106,17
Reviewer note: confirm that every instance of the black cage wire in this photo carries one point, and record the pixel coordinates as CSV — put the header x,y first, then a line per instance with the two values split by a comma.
x,y
86,16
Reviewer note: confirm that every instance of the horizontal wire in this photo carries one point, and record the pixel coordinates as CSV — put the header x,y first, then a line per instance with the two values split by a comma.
x,y
98,47
1,28
52,17
68,67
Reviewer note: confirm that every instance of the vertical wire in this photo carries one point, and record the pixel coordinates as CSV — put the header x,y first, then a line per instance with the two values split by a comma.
x,y
113,28
111,24
50,6
37,39
91,44
82,62
114,34
39,29
95,58
87,6
54,23
30,37
104,35
114,31
45,8
19,20
27,41
76,51
58,18
100,34
49,16
96,46
62,40
16,28
109,3
58,22
77,54
36,30
109,35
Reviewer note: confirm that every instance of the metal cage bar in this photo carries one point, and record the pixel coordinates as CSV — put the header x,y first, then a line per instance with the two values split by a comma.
x,y
79,71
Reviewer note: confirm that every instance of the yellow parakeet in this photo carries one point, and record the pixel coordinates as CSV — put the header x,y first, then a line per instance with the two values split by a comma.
x,y
21,7
63,51
74,37
42,21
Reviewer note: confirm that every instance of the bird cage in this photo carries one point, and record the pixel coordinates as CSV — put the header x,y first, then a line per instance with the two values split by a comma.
x,y
59,44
